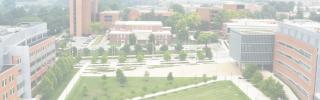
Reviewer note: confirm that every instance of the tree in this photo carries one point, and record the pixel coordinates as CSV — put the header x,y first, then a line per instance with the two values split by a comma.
x,y
164,48
146,76
177,8
249,71
122,57
138,48
96,27
74,51
167,56
126,48
132,39
140,57
182,56
170,77
256,78
151,48
178,47
207,37
121,78
94,56
104,58
204,77
86,52
152,39
200,55
101,51
125,14
208,53
314,16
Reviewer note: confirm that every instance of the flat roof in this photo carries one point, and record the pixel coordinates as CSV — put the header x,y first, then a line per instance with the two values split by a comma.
x,y
5,68
305,24
255,31
138,23
111,12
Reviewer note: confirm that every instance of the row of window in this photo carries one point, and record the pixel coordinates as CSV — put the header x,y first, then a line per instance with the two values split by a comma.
x,y
5,95
300,51
34,52
303,91
290,68
4,81
299,62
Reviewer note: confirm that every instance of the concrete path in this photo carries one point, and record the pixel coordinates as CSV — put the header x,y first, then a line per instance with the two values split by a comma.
x,y
247,88
71,84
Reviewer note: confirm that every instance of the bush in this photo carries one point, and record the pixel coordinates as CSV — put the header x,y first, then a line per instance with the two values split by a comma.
x,y
200,55
170,77
182,56
167,56
249,71
164,48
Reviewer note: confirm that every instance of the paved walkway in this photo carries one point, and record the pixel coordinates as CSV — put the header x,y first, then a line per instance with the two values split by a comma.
x,y
71,84
247,88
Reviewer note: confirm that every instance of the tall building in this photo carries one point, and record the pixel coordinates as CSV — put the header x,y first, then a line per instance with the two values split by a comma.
x,y
297,57
142,30
26,52
82,13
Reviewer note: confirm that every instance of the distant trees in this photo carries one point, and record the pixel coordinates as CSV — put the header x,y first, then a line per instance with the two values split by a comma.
x,y
314,16
208,53
177,8
86,52
138,48
126,48
104,58
94,56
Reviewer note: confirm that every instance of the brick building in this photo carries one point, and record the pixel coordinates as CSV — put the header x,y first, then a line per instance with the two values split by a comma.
x,y
108,18
141,29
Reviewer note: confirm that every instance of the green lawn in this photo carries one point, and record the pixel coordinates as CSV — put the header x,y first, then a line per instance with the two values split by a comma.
x,y
109,89
223,90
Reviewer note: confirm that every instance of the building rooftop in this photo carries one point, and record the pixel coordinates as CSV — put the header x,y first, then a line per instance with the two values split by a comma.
x,y
255,31
306,24
138,23
110,12
5,68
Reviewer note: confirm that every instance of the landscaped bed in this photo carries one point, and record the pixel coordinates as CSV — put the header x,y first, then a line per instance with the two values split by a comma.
x,y
108,88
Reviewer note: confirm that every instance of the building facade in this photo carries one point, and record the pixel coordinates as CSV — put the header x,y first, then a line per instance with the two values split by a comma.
x,y
207,14
120,32
31,50
136,12
81,15
252,46
108,18
297,57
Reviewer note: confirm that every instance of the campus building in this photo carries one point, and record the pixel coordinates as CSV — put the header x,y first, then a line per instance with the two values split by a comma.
x,y
108,18
297,57
120,32
249,23
136,12
207,14
81,15
252,46
26,52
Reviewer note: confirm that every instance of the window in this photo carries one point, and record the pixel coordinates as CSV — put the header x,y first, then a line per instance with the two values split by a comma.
x,y
4,83
4,96
11,91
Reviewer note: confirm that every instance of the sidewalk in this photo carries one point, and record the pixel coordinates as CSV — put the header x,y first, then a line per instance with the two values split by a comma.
x,y
71,84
